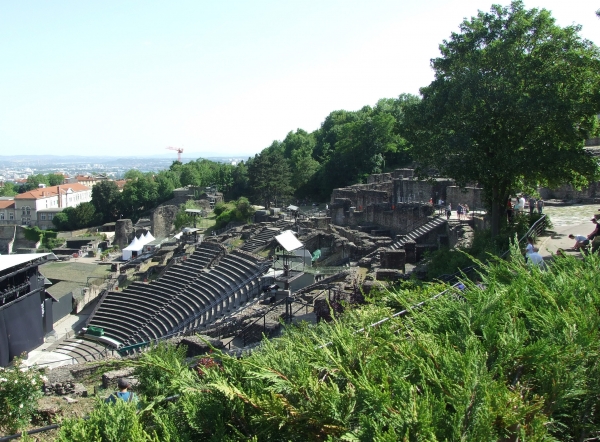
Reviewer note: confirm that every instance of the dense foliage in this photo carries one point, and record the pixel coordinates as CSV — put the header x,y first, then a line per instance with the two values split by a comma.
x,y
447,261
347,148
514,358
19,392
107,423
514,98
34,181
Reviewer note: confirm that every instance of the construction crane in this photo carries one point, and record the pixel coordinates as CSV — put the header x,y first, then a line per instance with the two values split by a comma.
x,y
179,152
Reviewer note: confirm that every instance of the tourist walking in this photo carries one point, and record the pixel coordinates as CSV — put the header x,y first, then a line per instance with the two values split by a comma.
x,y
522,203
530,246
509,210
459,211
540,205
531,205
448,210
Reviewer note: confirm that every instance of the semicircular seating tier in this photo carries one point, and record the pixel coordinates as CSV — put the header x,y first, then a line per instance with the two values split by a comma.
x,y
188,295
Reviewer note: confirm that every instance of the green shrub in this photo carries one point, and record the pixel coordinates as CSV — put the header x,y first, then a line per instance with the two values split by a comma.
x,y
223,219
220,207
157,368
19,392
515,358
33,233
107,423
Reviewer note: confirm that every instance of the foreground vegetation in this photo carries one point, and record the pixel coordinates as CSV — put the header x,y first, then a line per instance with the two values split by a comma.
x,y
447,261
515,358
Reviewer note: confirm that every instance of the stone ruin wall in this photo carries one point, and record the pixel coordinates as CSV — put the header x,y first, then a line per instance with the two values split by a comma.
x,y
589,194
397,218
124,232
362,195
163,220
409,190
472,196
397,201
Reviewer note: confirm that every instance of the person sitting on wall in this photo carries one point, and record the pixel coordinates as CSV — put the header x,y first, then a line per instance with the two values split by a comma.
x,y
123,394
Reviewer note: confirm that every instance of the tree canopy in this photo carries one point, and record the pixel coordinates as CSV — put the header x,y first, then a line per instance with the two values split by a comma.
x,y
514,98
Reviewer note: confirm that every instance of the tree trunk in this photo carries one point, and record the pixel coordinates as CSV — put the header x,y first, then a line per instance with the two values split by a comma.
x,y
496,211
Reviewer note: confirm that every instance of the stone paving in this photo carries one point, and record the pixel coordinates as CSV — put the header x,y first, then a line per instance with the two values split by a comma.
x,y
571,215
565,220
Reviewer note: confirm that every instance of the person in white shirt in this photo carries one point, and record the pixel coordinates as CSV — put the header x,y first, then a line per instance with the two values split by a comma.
x,y
580,241
529,249
521,203
534,258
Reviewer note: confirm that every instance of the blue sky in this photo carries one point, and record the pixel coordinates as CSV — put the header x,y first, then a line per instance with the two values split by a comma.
x,y
217,78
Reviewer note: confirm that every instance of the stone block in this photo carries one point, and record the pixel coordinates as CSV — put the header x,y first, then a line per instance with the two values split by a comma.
x,y
387,275
110,379
411,251
80,390
197,346
394,259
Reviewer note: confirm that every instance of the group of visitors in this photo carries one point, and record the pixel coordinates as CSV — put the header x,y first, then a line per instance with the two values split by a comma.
x,y
461,211
521,203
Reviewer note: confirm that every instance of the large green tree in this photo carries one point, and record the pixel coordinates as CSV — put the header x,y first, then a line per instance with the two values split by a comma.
x,y
269,176
106,200
514,98
8,189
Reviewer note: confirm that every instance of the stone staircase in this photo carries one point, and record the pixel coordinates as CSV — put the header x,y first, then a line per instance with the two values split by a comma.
x,y
81,349
419,232
261,239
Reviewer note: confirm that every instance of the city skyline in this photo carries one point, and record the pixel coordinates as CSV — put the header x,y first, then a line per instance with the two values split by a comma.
x,y
130,79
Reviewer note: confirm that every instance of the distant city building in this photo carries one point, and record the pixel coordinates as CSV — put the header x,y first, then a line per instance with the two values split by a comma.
x,y
7,209
87,180
38,206
120,184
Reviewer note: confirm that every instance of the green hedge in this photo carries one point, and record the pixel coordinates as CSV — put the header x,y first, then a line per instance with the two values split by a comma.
x,y
515,358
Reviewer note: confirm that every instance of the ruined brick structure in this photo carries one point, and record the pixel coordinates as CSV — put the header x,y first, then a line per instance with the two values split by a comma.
x,y
589,194
163,219
123,233
396,201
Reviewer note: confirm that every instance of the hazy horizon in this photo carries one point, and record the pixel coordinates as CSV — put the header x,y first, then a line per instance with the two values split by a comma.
x,y
129,79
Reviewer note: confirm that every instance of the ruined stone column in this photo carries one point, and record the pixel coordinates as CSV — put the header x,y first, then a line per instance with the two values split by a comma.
x,y
411,251
394,259
123,231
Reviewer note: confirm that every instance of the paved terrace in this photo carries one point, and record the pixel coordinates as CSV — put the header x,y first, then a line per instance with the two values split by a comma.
x,y
573,219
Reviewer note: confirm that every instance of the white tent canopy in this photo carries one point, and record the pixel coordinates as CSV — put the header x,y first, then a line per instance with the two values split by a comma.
x,y
136,246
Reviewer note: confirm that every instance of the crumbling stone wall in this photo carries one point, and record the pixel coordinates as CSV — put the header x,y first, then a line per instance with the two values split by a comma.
x,y
163,220
408,190
472,196
589,194
397,218
7,239
363,195
379,178
123,233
